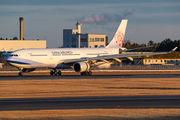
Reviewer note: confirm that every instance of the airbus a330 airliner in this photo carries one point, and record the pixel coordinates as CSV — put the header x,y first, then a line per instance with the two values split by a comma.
x,y
80,59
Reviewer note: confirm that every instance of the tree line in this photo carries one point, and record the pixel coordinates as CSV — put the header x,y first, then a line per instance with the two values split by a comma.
x,y
165,45
14,38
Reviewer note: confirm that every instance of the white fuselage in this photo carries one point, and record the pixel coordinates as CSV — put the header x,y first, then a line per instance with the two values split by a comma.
x,y
52,58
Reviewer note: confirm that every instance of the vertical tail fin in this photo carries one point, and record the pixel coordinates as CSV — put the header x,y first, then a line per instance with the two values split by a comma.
x,y
118,38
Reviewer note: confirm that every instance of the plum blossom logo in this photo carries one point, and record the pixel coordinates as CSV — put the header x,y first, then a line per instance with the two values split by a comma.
x,y
119,36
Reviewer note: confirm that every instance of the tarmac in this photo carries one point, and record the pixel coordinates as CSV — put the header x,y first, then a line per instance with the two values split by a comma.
x,y
120,102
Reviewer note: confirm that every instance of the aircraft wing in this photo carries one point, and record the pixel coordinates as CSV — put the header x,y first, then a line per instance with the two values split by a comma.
x,y
106,57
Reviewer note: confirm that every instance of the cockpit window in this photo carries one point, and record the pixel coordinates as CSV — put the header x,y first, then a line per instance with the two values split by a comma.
x,y
15,55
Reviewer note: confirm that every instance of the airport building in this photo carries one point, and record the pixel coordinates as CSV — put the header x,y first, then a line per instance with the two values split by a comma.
x,y
148,60
12,45
156,61
161,61
73,38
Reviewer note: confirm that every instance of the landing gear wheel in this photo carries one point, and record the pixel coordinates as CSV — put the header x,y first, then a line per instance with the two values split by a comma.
x,y
82,73
55,72
51,73
86,73
90,73
20,74
59,72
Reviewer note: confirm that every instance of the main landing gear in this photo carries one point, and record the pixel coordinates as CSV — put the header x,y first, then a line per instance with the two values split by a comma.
x,y
86,73
55,72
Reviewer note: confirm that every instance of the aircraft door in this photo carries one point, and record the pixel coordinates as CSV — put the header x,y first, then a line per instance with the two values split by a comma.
x,y
25,55
50,56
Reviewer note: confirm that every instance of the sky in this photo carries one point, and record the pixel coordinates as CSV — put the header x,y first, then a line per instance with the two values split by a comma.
x,y
45,19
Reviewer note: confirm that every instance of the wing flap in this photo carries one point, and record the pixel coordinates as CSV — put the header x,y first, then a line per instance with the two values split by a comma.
x,y
75,60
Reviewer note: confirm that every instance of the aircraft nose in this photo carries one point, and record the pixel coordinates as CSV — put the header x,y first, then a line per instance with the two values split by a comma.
x,y
9,59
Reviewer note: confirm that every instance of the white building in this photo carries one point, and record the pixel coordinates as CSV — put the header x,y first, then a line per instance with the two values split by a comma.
x,y
73,38
12,45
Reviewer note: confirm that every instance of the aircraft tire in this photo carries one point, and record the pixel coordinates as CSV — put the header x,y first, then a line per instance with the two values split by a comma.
x,y
59,72
86,73
20,74
90,73
51,73
55,72
82,73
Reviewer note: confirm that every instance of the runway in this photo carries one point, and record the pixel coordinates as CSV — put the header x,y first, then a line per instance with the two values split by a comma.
x,y
46,77
91,103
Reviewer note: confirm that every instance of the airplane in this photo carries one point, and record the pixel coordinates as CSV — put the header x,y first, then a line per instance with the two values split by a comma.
x,y
80,59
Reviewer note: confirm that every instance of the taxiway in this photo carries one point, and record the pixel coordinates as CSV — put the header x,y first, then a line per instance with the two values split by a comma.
x,y
91,103
47,77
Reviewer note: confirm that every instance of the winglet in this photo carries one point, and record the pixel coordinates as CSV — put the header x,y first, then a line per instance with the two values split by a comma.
x,y
173,49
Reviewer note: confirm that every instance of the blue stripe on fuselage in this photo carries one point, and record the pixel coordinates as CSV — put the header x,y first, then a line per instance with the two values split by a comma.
x,y
21,61
9,61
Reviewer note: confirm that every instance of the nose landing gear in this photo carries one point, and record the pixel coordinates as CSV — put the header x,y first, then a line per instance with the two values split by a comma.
x,y
25,70
20,74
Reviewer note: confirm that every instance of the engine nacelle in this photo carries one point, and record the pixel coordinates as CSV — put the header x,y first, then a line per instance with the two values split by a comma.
x,y
81,67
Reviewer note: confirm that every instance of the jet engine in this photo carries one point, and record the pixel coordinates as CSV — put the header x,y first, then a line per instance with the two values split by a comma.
x,y
81,67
